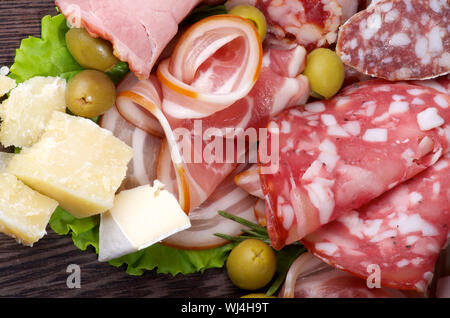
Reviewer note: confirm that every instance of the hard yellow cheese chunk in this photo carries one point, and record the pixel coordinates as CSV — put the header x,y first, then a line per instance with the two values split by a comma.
x,y
6,84
24,213
139,218
76,163
29,107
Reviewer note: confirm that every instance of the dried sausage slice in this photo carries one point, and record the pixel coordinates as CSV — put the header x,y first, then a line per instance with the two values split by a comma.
x,y
398,39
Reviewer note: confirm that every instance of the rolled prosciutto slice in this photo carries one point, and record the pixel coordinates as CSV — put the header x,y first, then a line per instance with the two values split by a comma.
x,y
310,23
204,106
337,155
139,30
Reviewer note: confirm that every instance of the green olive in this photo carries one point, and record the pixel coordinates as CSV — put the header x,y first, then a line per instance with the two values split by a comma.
x,y
325,72
89,52
90,93
251,264
253,14
257,296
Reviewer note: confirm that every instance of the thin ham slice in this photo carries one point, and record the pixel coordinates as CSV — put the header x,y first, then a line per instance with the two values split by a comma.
x,y
402,232
139,30
183,105
338,155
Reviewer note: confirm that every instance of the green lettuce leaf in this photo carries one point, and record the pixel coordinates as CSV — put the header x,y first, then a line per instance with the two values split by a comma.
x,y
163,259
47,56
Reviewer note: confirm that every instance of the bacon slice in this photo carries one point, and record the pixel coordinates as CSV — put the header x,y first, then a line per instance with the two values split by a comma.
x,y
249,181
142,168
398,40
402,232
308,277
199,173
205,221
310,23
338,155
139,30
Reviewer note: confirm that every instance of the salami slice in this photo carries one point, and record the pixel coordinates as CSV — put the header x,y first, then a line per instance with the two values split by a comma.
x,y
337,155
398,39
402,232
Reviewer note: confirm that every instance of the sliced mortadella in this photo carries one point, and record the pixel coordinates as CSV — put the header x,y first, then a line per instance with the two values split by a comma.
x,y
402,232
335,156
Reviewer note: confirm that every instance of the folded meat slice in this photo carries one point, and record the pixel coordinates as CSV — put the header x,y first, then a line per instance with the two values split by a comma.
x,y
308,277
310,23
203,104
337,155
139,30
402,232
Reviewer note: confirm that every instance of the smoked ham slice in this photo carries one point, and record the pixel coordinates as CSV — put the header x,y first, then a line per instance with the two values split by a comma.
x,y
139,30
402,232
337,155
212,98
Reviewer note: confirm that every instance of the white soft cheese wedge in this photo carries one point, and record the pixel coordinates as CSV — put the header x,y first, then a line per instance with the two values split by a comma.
x,y
75,162
139,218
28,109
24,213
6,84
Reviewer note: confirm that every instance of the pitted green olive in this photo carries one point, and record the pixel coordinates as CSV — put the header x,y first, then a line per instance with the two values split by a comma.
x,y
90,93
89,52
251,264
325,72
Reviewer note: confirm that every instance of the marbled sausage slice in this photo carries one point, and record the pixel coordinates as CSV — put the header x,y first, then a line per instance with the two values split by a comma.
x,y
402,232
337,155
398,39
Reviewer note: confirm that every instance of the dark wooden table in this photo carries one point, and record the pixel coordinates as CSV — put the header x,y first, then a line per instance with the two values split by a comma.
x,y
41,271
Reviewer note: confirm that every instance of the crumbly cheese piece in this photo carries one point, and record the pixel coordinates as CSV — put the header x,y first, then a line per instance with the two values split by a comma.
x,y
24,213
139,218
76,163
6,84
5,158
29,107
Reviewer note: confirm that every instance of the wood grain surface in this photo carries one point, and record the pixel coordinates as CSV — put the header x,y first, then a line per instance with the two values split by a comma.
x,y
41,271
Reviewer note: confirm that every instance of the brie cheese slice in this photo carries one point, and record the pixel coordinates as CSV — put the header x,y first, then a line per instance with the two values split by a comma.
x,y
139,218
